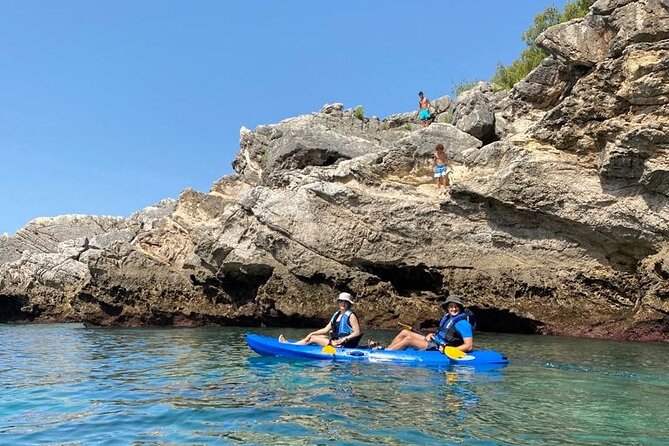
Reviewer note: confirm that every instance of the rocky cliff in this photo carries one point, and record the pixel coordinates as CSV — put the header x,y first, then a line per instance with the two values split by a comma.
x,y
557,221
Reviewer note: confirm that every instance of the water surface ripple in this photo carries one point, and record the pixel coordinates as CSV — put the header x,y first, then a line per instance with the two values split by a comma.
x,y
68,385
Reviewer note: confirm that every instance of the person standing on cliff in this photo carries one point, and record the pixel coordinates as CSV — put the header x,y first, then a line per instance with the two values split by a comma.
x,y
424,105
442,167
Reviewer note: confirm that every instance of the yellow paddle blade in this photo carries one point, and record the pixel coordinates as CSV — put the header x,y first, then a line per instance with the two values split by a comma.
x,y
329,350
454,353
403,325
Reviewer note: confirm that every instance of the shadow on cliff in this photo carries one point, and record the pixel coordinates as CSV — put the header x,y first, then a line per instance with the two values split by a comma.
x,y
621,251
626,188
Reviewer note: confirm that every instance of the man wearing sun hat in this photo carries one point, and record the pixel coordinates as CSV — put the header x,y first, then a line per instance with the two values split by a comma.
x,y
455,330
343,330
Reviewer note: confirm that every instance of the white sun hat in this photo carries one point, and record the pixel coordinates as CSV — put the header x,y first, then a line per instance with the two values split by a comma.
x,y
346,296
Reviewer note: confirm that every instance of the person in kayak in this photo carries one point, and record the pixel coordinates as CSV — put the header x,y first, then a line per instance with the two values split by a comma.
x,y
343,330
454,330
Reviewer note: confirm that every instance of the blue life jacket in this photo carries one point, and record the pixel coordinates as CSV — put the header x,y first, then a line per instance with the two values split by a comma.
x,y
343,327
447,334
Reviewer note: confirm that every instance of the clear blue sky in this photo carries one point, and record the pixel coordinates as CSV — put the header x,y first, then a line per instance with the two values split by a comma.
x,y
109,107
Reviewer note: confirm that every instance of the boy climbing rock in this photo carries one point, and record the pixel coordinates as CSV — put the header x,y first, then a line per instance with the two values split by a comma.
x,y
442,167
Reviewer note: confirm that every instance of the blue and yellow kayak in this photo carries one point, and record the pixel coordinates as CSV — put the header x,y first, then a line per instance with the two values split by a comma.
x,y
267,346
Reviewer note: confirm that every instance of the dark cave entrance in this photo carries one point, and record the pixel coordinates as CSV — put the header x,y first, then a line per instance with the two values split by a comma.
x,y
496,321
504,321
241,282
234,283
11,309
406,279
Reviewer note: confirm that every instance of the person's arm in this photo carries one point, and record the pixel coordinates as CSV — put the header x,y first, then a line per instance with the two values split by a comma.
x,y
468,345
466,331
322,331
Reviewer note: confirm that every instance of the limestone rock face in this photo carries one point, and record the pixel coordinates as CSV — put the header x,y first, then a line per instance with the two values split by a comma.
x,y
616,117
424,141
531,98
319,139
633,21
579,42
556,219
401,119
546,85
474,112
46,235
443,104
611,27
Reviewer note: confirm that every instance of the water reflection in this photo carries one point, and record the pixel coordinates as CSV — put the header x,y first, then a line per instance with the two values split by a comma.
x,y
61,384
365,401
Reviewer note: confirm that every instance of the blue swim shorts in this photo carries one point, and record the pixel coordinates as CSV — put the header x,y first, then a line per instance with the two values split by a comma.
x,y
424,114
440,170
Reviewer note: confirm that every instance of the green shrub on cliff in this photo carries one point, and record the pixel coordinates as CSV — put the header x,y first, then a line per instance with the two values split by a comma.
x,y
507,75
463,86
359,112
576,9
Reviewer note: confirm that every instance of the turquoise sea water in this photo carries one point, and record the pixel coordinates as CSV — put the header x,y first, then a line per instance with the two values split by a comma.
x,y
68,385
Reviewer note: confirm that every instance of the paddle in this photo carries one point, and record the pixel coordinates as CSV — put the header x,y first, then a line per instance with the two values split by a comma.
x,y
329,350
451,352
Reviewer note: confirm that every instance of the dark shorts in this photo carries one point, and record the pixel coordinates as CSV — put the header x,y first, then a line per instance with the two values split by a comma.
x,y
352,343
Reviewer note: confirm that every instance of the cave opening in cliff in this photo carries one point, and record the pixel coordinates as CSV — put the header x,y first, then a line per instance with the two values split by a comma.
x,y
313,157
406,279
504,321
241,282
11,309
496,321
291,320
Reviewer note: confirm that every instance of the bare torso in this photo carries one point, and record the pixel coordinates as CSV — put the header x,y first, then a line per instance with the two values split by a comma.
x,y
440,158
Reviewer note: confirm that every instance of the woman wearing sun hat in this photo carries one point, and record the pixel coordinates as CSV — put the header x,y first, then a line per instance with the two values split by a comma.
x,y
343,330
454,330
